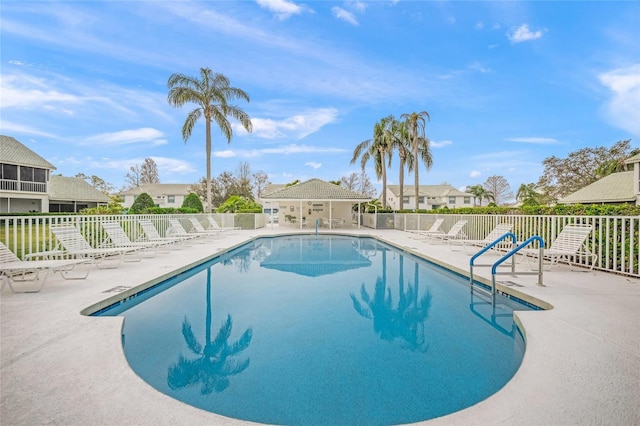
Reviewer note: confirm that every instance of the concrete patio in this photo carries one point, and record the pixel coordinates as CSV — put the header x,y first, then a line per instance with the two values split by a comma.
x,y
581,366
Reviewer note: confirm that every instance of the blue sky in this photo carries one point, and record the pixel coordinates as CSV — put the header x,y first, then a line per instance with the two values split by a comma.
x,y
507,84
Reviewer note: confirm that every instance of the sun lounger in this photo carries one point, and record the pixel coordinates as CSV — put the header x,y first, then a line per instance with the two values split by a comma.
x,y
492,236
177,230
199,229
455,233
13,270
153,235
116,237
72,242
213,225
570,243
434,230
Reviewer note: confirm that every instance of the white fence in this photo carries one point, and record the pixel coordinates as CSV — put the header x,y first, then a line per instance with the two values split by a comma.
x,y
29,234
615,239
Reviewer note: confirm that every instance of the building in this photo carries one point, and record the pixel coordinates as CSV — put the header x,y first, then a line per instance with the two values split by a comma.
x,y
27,185
314,200
163,194
431,197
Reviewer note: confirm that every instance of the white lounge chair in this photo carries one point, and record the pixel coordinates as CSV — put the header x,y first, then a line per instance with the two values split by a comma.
x,y
116,237
13,270
213,226
570,243
153,235
71,241
496,233
455,233
199,229
434,230
177,230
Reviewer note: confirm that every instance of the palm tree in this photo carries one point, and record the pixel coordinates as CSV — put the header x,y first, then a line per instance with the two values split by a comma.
x,y
416,127
478,192
377,148
211,93
401,142
527,194
214,363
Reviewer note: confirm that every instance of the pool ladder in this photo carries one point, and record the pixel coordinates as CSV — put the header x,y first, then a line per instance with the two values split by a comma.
x,y
509,255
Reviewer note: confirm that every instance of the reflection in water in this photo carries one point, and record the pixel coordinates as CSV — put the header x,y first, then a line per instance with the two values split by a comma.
x,y
406,320
214,364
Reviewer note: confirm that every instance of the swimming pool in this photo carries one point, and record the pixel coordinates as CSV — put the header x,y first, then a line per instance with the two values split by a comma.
x,y
321,330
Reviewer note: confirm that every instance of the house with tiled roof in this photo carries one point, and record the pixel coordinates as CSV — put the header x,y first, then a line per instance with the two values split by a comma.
x,y
24,178
72,194
28,185
616,188
163,194
430,197
304,203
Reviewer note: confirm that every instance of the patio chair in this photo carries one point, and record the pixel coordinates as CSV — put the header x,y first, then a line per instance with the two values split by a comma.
x,y
213,226
116,237
434,230
73,243
152,234
177,230
455,233
570,243
13,270
492,236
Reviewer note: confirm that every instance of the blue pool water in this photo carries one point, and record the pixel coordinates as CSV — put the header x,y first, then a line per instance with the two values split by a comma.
x,y
327,330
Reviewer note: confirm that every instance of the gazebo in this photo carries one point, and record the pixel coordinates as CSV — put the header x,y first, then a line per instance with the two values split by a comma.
x,y
315,199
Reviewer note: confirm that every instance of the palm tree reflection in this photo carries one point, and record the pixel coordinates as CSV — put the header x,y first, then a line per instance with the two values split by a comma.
x,y
215,362
406,321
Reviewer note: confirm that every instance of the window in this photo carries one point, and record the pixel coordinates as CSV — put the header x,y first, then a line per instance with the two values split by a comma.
x,y
467,200
452,200
39,175
9,171
420,200
171,199
26,174
405,200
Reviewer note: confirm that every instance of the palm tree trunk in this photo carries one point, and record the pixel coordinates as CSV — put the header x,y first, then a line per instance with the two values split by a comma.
x,y
208,154
403,162
415,166
384,181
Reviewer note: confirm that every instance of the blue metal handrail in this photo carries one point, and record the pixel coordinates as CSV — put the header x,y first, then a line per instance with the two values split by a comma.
x,y
485,249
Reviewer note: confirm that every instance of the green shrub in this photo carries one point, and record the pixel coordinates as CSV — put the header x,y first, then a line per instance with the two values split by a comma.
x,y
192,201
142,203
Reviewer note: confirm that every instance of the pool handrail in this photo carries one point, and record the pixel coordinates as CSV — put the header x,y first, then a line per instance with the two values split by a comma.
x,y
487,248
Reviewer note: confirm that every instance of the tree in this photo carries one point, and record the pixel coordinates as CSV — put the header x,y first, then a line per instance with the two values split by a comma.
x,y
377,148
211,93
236,203
142,203
97,183
244,186
192,201
401,142
149,172
358,183
132,179
260,182
528,195
416,123
479,193
499,189
563,176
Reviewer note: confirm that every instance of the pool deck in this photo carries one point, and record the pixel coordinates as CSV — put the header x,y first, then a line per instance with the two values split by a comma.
x,y
581,366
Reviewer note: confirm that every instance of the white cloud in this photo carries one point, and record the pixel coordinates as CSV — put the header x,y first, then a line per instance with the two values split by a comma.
x,y
534,140
313,164
622,109
477,66
24,91
144,135
475,174
7,127
523,33
297,126
227,153
358,5
340,13
280,150
281,8
479,26
440,144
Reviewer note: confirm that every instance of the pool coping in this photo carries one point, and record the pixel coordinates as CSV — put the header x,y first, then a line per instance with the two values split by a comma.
x,y
581,366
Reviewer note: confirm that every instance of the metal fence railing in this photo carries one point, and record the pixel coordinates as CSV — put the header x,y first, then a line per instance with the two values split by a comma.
x,y
614,239
30,234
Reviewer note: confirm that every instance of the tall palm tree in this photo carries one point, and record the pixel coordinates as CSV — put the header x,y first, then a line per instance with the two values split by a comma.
x,y
211,93
478,192
416,125
377,148
401,142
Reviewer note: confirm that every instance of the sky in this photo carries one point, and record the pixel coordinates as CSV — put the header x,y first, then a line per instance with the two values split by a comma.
x,y
506,84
